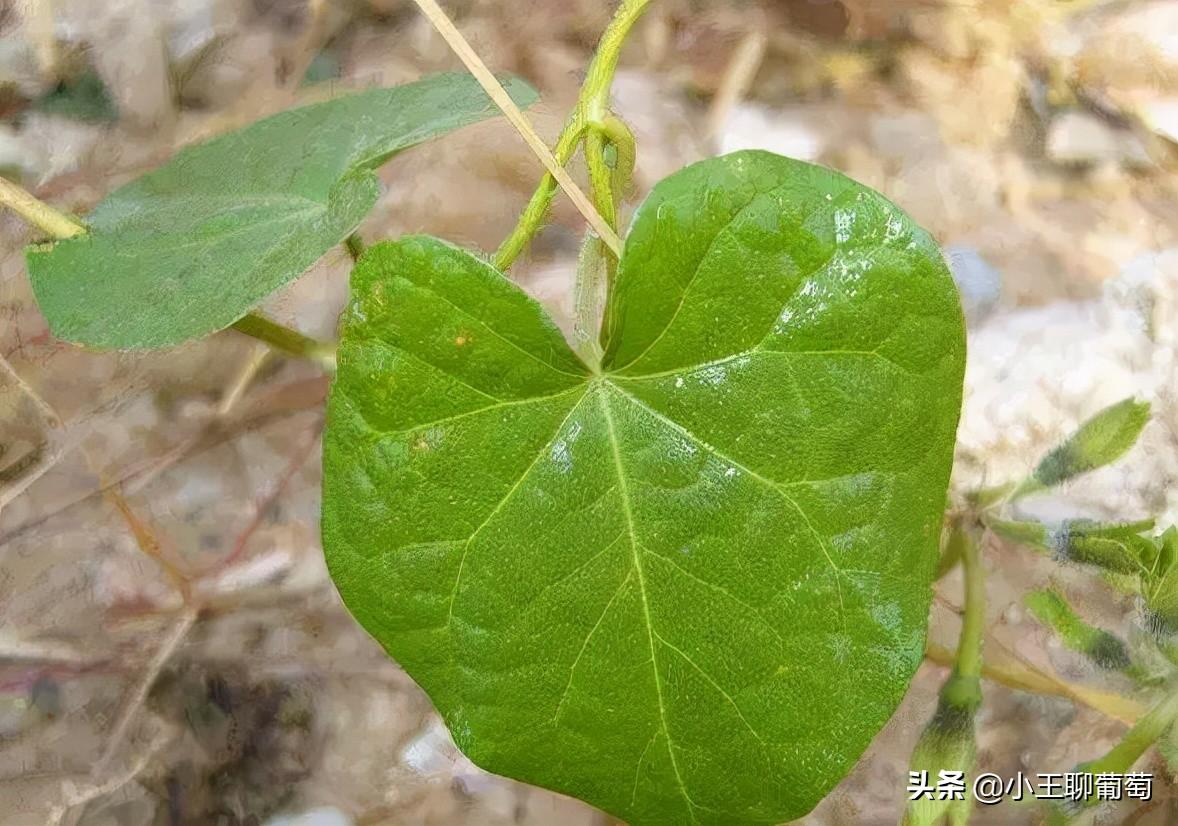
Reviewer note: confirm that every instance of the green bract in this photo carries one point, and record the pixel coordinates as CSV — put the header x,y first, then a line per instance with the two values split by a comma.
x,y
190,248
1099,441
689,586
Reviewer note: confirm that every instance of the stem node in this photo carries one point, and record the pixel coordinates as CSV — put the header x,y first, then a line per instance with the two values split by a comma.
x,y
592,108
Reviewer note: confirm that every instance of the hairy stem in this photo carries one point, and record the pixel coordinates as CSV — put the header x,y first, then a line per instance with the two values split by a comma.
x,y
621,140
61,226
1017,676
962,691
601,183
588,295
592,108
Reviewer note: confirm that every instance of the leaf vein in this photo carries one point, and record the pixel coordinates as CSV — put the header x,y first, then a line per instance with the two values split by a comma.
x,y
712,682
764,480
650,634
759,350
713,586
495,333
585,645
503,501
468,413
432,366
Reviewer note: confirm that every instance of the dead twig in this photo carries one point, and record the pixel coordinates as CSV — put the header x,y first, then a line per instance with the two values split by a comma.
x,y
737,79
138,696
263,505
246,374
147,542
272,407
18,478
76,797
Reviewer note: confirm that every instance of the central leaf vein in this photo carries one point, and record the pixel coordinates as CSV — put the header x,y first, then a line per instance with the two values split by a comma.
x,y
645,602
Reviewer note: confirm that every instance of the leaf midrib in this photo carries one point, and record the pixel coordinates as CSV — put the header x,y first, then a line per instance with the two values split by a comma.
x,y
624,491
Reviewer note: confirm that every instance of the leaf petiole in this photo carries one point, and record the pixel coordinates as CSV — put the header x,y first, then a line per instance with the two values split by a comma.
x,y
969,647
1137,740
288,340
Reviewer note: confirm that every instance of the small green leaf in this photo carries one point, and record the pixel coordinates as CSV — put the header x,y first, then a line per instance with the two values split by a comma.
x,y
690,587
1161,598
1052,609
190,248
83,98
1100,441
1115,547
1127,584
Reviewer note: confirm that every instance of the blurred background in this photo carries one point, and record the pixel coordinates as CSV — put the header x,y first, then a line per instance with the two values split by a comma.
x,y
171,650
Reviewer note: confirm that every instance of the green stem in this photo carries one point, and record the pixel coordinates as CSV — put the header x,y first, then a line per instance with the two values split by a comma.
x,y
601,176
973,621
609,177
962,690
355,246
1021,677
588,295
288,340
1137,740
992,497
592,107
621,139
1025,488
537,208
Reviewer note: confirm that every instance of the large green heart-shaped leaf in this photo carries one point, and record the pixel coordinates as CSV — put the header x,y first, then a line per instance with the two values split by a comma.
x,y
190,248
689,587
